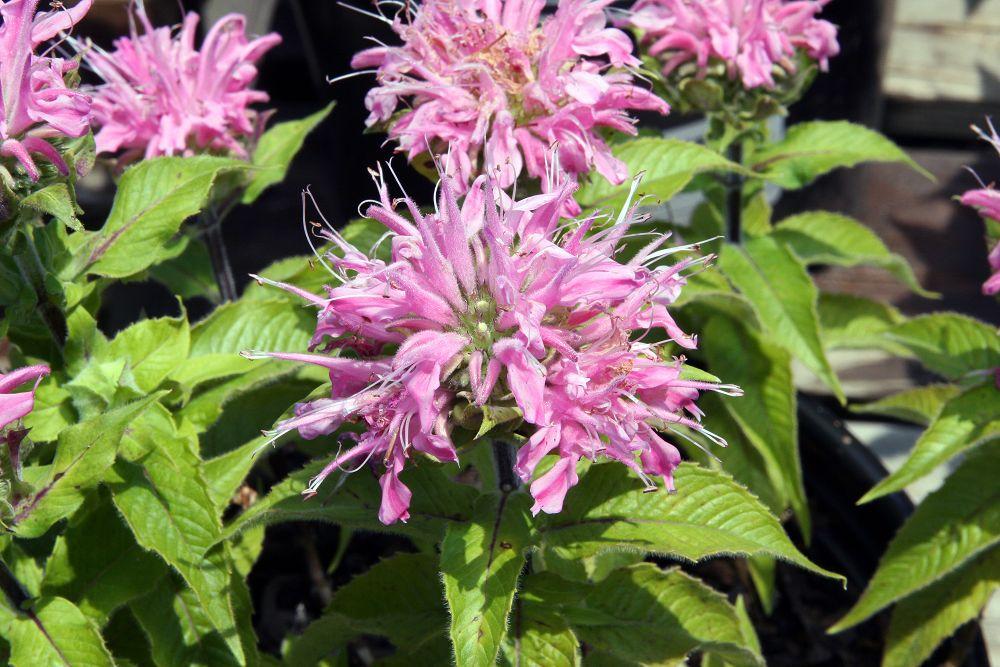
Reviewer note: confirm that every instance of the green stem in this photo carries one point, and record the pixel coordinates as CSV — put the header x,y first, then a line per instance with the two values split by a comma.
x,y
734,196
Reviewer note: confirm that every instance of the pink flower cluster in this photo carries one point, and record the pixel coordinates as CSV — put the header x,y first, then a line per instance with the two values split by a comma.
x,y
35,102
163,96
987,201
494,85
501,302
750,36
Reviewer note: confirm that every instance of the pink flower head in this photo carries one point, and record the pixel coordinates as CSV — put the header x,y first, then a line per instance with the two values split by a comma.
x,y
987,201
36,103
751,37
14,406
497,301
494,85
163,96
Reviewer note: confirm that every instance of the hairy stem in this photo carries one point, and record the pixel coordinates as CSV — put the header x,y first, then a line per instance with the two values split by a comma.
x,y
503,458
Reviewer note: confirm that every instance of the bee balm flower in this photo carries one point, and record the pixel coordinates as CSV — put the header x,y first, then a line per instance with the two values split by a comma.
x,y
492,301
987,201
499,86
13,406
751,38
36,103
162,96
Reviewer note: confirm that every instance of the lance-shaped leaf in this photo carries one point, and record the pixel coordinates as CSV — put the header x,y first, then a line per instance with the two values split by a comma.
x,y
277,148
953,525
539,637
481,560
920,405
398,598
164,500
852,322
153,348
784,297
436,502
84,453
966,420
928,617
810,150
644,615
709,515
55,632
823,237
153,199
97,563
767,410
950,344
55,200
178,629
669,165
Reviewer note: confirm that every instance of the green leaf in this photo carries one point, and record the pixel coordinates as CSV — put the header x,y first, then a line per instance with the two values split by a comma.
x,y
950,344
164,500
225,473
59,634
812,149
953,525
965,421
437,501
784,297
375,603
481,561
55,200
822,237
645,615
153,198
84,452
710,515
153,349
920,406
853,322
539,637
179,632
766,412
52,412
277,148
271,325
97,563
189,274
669,165
928,617
494,416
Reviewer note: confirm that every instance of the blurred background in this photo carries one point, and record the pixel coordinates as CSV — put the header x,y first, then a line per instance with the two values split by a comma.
x,y
920,71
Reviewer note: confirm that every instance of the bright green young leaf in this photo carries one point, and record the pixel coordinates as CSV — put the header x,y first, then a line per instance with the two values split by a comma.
x,y
84,453
189,274
539,637
481,561
55,200
52,412
153,198
276,150
928,617
950,344
153,349
58,635
179,632
437,501
270,325
398,598
920,406
810,150
766,412
784,297
822,237
669,165
165,502
953,525
965,421
853,322
97,563
710,515
224,474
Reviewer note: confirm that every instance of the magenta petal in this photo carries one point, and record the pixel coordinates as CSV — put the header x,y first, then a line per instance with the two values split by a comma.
x,y
550,489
